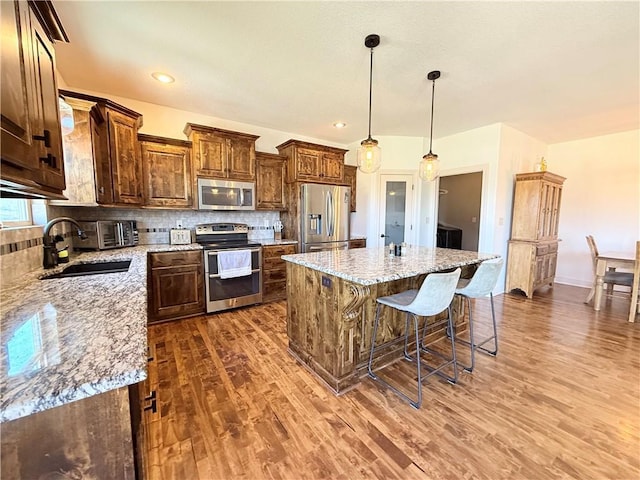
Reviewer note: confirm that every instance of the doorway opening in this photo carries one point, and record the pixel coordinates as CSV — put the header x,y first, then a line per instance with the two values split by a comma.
x,y
460,199
396,209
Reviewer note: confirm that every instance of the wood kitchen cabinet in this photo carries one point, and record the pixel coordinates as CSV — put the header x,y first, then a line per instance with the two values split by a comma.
x,y
31,145
166,167
175,285
111,135
271,170
309,162
350,172
88,438
274,271
222,153
358,243
533,247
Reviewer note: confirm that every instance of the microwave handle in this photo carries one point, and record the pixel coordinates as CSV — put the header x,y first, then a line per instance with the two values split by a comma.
x,y
241,196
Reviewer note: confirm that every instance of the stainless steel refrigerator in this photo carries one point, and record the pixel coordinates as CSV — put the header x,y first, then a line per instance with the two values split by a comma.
x,y
325,217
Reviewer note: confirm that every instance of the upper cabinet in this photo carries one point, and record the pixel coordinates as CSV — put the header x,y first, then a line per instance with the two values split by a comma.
x,y
536,206
222,153
166,166
106,145
308,162
31,142
350,180
270,178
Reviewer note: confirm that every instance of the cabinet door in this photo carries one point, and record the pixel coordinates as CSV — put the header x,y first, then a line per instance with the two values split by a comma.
x,y
167,175
125,159
242,159
78,160
307,164
47,121
270,175
16,77
332,167
350,179
102,161
210,156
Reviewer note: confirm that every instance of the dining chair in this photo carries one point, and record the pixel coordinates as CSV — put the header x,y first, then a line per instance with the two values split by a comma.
x,y
611,277
433,297
634,309
481,285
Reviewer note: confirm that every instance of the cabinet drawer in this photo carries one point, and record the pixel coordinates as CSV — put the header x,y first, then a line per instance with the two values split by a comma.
x,y
276,251
542,250
173,259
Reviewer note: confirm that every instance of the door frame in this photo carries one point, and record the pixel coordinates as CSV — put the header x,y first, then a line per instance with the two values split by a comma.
x,y
481,168
410,217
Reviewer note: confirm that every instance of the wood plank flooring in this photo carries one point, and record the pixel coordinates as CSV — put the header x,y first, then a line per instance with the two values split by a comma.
x,y
561,400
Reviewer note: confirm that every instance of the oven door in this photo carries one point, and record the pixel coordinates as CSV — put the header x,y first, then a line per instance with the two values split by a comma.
x,y
225,293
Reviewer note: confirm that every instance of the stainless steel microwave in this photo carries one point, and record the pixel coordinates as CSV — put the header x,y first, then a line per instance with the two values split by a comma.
x,y
214,194
106,234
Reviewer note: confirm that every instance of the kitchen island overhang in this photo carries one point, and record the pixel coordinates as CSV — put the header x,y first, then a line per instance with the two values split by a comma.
x,y
331,302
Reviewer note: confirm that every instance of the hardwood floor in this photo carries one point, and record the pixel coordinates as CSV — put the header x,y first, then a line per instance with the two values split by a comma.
x,y
561,400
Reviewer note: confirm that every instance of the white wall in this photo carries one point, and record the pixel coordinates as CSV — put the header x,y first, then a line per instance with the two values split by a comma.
x,y
601,197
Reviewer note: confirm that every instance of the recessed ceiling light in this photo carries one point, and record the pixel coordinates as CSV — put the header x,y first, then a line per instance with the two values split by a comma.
x,y
163,77
339,124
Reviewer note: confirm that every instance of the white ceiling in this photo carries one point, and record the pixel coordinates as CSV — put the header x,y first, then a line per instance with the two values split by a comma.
x,y
555,70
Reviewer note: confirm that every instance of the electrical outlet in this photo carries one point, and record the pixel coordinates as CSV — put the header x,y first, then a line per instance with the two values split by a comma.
x,y
179,223
326,282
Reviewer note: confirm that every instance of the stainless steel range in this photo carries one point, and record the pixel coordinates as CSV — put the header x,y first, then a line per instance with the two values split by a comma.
x,y
232,266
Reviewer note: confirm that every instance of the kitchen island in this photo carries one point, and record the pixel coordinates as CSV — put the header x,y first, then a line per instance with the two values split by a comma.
x,y
331,302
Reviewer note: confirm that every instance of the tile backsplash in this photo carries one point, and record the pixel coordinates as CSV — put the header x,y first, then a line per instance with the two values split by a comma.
x,y
20,252
154,224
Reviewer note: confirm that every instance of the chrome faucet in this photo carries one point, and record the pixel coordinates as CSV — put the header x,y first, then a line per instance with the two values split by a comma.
x,y
50,258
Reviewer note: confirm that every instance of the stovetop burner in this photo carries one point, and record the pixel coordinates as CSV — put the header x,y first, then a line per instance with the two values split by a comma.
x,y
220,236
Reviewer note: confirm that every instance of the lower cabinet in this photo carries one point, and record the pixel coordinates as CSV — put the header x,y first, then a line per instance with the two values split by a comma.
x,y
531,265
89,438
274,272
175,285
358,243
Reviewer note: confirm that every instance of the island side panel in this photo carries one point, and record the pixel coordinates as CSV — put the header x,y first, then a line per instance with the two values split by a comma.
x,y
332,338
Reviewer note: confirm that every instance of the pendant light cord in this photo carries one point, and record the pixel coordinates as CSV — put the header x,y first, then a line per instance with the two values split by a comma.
x,y
433,92
370,87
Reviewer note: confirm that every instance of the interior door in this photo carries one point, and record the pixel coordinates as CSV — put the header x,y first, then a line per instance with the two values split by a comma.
x,y
396,209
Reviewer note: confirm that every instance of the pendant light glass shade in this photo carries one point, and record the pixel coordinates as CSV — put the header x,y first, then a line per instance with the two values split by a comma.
x,y
369,153
429,168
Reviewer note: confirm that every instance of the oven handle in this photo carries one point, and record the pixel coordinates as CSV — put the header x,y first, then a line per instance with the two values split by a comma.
x,y
213,253
217,275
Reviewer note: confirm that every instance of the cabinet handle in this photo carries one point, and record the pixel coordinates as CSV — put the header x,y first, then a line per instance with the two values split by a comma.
x,y
154,403
49,160
46,138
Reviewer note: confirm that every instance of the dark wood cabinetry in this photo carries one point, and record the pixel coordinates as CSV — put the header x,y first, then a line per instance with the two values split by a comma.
x,y
358,243
222,153
308,162
166,167
274,271
31,149
112,133
175,285
350,179
270,179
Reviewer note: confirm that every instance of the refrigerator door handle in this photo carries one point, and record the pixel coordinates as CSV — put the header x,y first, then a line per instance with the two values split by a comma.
x,y
329,214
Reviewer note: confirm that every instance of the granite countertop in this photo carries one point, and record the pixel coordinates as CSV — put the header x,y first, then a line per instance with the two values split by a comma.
x,y
368,266
65,339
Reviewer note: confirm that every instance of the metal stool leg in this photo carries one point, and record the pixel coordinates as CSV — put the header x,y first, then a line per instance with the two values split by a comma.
x,y
447,360
479,346
493,352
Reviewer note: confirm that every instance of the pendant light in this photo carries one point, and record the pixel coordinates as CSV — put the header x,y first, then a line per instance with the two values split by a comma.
x,y
430,165
369,152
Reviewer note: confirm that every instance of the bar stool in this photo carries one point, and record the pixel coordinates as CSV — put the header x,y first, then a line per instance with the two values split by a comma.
x,y
481,285
433,297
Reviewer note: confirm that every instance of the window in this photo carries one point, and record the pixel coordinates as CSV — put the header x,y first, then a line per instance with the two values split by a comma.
x,y
15,212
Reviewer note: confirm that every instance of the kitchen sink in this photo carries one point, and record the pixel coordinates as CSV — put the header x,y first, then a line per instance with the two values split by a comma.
x,y
91,269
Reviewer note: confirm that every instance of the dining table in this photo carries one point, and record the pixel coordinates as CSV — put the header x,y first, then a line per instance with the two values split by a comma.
x,y
608,260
